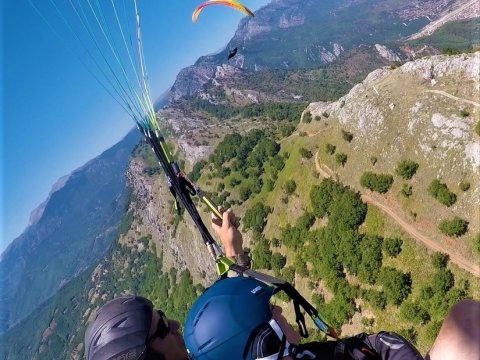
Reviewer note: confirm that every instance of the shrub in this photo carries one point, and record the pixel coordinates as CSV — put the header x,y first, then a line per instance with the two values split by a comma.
x,y
261,253
305,154
476,243
440,260
406,169
255,217
396,284
432,331
347,136
442,281
325,114
269,185
477,128
196,171
413,312
277,261
392,246
330,149
410,334
341,159
373,160
454,227
441,192
290,187
464,113
245,192
464,185
376,182
234,182
450,51
375,298
406,190
307,117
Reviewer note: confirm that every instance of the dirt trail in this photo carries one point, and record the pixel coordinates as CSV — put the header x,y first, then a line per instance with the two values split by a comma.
x,y
324,171
440,92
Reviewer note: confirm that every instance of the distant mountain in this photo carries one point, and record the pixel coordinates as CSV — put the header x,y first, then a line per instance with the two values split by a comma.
x,y
306,34
70,232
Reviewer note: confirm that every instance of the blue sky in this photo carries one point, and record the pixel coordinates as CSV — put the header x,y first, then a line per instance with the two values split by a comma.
x,y
55,116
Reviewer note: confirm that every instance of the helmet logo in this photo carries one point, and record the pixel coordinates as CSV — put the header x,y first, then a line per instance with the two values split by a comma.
x,y
131,355
256,290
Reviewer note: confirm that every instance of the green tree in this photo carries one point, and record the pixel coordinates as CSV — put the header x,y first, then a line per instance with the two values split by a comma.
x,y
464,186
376,182
256,217
347,136
440,260
261,253
476,243
245,192
323,195
341,159
392,246
413,312
406,190
441,192
305,154
375,298
196,171
442,281
406,169
396,284
454,227
330,149
307,117
277,261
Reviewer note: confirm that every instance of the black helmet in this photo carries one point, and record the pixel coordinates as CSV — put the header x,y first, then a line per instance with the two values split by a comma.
x,y
120,329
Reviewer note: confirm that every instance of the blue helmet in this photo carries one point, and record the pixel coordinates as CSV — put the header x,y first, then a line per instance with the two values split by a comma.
x,y
223,319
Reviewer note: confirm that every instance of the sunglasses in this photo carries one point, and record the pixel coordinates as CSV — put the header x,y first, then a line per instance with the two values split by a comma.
x,y
163,327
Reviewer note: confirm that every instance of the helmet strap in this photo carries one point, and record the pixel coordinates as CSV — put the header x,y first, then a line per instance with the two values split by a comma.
x,y
285,347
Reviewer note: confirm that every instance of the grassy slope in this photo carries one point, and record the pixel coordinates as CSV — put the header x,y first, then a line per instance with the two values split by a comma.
x,y
457,35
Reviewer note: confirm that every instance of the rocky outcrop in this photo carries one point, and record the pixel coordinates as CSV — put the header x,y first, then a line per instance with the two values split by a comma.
x,y
434,111
386,53
191,80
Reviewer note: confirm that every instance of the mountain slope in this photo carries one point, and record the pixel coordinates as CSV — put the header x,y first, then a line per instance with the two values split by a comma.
x,y
305,34
434,113
77,225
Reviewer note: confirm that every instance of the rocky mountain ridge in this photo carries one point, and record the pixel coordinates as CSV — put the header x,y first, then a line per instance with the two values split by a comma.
x,y
262,46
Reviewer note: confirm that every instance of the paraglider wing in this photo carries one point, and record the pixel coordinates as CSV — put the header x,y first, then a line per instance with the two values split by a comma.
x,y
231,3
232,53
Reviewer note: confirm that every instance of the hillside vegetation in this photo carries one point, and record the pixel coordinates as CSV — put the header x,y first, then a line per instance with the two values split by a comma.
x,y
362,270
295,179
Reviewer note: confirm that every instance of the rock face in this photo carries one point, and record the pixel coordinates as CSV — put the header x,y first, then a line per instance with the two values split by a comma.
x,y
386,53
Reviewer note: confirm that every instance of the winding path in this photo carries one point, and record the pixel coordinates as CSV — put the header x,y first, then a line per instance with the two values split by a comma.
x,y
431,244
443,93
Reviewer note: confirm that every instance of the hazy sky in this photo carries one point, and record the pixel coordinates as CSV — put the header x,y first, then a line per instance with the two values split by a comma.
x,y
55,116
